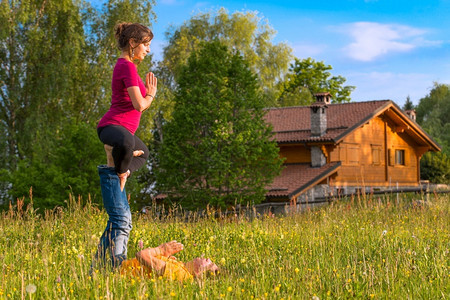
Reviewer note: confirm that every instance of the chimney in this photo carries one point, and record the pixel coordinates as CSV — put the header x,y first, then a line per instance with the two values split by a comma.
x,y
318,158
319,127
319,114
323,97
411,113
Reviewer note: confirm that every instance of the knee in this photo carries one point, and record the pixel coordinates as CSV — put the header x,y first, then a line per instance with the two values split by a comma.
x,y
124,226
126,223
146,154
121,221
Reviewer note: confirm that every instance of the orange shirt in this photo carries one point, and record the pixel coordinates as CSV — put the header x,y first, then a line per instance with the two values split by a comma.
x,y
175,270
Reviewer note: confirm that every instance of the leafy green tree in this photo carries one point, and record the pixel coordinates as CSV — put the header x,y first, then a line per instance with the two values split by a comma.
x,y
435,167
38,71
433,114
56,61
160,113
217,148
72,170
245,33
408,104
307,77
42,46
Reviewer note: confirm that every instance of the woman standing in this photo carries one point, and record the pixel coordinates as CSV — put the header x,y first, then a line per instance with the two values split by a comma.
x,y
125,152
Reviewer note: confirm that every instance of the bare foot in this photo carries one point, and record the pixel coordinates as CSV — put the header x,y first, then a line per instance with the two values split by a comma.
x,y
138,152
109,157
170,248
123,179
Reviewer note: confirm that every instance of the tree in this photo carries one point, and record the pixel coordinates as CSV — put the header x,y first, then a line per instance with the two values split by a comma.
x,y
217,148
71,171
307,77
38,70
42,46
56,61
435,167
244,33
408,104
433,114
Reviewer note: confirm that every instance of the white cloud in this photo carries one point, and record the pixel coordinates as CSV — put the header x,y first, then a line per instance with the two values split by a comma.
x,y
372,40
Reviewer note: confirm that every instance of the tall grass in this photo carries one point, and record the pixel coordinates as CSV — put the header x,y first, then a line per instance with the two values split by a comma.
x,y
367,248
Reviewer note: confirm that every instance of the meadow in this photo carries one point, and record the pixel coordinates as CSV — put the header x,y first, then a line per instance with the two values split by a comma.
x,y
369,247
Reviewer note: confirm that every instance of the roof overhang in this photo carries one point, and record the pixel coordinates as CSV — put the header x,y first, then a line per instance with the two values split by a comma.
x,y
314,181
403,124
296,179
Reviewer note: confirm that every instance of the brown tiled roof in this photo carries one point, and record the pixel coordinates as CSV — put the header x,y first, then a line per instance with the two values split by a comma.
x,y
296,178
292,124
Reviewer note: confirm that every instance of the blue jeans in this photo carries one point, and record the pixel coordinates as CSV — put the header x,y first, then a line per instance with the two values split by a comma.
x,y
115,237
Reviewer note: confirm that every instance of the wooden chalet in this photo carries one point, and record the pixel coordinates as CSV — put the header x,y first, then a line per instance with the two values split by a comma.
x,y
332,149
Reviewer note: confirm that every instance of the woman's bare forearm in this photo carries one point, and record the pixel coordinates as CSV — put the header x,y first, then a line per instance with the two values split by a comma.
x,y
148,258
139,103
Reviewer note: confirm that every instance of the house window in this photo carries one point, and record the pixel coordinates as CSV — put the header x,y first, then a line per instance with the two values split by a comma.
x,y
376,154
400,157
353,154
349,153
343,153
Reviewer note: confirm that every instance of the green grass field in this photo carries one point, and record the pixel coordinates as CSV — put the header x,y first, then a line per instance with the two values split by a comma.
x,y
366,248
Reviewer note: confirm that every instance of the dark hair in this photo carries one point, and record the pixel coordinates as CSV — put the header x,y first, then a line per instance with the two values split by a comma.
x,y
124,32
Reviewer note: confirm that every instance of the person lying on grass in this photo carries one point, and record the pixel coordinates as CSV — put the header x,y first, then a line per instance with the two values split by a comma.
x,y
161,261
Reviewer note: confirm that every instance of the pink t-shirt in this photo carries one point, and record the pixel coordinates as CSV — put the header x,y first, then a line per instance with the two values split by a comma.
x,y
122,111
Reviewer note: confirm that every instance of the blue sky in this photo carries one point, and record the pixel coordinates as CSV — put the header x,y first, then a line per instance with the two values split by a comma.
x,y
388,49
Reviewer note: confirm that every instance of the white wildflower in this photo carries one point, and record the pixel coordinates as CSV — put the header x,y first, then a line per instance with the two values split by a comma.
x,y
31,288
